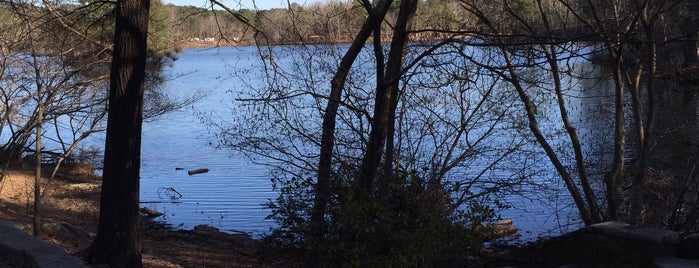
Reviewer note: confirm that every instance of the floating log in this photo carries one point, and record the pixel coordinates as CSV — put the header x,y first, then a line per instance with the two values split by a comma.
x,y
493,231
179,168
197,171
150,212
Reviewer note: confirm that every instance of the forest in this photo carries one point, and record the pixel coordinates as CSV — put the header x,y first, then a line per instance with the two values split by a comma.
x,y
323,22
391,129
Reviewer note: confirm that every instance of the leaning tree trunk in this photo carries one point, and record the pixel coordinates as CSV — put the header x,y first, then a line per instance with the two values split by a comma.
x,y
596,215
394,69
580,203
377,135
322,190
117,241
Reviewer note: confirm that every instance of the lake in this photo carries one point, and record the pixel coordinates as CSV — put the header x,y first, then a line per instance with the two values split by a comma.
x,y
231,195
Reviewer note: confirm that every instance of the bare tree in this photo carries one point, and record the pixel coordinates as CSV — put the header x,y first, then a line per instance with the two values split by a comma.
x,y
43,84
630,35
535,47
393,111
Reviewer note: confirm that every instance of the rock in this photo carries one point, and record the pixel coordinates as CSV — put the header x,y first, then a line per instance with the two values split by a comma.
x,y
648,243
214,234
673,262
610,244
201,228
18,249
689,246
655,236
77,172
65,230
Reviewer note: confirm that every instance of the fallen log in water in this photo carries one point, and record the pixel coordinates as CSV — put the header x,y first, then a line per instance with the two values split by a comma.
x,y
492,231
150,212
197,171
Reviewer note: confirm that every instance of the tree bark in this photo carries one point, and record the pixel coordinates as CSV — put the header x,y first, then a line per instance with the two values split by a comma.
x,y
611,179
595,214
579,201
552,58
380,145
377,135
337,84
36,220
691,30
117,241
646,132
394,69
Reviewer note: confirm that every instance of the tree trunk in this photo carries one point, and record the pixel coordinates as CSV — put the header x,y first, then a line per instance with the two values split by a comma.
x,y
377,135
37,179
372,183
117,241
647,130
394,69
638,185
578,199
327,143
380,145
552,58
691,30
595,214
611,179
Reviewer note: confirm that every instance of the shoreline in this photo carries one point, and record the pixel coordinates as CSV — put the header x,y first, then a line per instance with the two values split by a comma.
x,y
71,212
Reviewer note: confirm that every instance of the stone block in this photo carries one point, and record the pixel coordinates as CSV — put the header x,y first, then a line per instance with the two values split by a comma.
x,y
22,250
674,262
689,246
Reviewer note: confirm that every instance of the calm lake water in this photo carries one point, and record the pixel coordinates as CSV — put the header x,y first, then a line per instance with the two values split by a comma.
x,y
231,195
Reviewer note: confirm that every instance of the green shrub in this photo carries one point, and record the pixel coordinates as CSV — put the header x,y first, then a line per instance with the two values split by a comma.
x,y
411,223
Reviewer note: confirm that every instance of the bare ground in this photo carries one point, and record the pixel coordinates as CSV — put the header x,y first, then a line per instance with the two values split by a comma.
x,y
75,201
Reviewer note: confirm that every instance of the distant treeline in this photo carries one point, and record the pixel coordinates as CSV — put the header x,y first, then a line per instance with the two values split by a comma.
x,y
329,22
337,21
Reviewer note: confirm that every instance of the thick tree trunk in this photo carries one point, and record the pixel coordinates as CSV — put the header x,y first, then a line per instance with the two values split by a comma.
x,y
372,183
117,241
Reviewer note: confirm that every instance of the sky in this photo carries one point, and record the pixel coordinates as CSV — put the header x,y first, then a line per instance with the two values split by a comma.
x,y
241,4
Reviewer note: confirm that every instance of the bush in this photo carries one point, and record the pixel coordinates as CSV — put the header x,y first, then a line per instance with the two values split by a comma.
x,y
413,223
